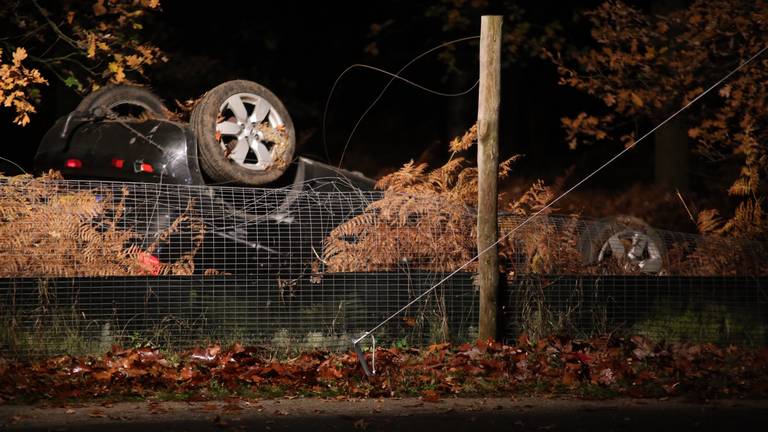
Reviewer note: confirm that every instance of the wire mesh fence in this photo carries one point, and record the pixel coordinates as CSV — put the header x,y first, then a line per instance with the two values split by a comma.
x,y
720,310
85,265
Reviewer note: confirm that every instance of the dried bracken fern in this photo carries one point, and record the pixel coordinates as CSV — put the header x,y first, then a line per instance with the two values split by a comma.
x,y
407,176
533,200
709,222
48,230
465,142
543,245
717,256
402,232
505,168
192,229
426,221
749,221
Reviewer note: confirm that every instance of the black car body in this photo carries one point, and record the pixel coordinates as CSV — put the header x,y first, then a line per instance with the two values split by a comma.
x,y
83,146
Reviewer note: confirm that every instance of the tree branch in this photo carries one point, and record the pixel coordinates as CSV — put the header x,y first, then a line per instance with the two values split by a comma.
x,y
55,27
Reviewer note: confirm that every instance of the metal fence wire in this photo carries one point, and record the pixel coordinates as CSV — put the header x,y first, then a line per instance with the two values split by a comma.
x,y
85,265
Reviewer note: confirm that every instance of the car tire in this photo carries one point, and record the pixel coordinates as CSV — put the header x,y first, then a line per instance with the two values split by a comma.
x,y
123,100
635,245
244,133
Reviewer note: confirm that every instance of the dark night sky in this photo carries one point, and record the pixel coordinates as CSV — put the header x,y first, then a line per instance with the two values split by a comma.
x,y
298,49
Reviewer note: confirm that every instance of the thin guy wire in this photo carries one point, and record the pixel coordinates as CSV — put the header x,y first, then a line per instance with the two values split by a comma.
x,y
383,90
14,164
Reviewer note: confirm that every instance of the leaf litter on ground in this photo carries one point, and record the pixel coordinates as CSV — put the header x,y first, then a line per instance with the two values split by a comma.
x,y
600,367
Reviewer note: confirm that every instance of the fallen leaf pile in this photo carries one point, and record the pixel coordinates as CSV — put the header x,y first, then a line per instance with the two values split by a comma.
x,y
599,367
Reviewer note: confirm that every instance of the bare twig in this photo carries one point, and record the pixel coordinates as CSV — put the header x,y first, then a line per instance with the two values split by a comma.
x,y
679,195
55,27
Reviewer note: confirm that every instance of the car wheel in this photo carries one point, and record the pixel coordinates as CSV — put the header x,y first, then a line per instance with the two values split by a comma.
x,y
123,101
245,135
628,241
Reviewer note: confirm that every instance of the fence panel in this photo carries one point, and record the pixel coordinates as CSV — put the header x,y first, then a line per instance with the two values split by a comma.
x,y
87,264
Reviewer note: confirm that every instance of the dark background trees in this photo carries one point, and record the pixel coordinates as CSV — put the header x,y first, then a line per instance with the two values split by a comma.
x,y
298,50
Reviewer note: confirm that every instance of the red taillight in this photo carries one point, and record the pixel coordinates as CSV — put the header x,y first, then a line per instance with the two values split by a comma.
x,y
73,163
141,166
118,163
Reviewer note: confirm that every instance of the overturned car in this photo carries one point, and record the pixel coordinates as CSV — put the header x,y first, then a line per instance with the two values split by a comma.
x,y
238,134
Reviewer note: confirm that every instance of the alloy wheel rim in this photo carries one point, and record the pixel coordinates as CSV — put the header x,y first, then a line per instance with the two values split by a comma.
x,y
240,127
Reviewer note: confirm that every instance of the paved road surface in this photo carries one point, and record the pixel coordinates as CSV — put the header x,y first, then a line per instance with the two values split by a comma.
x,y
477,415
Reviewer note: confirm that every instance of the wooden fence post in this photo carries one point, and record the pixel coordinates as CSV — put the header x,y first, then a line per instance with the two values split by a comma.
x,y
488,167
